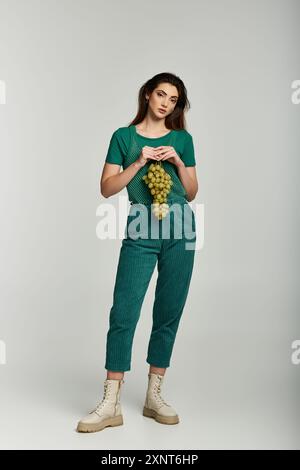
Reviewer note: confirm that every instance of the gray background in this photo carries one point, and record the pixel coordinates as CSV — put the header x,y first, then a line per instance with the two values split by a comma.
x,y
72,71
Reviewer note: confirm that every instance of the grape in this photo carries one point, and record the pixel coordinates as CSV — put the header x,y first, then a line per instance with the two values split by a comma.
x,y
159,183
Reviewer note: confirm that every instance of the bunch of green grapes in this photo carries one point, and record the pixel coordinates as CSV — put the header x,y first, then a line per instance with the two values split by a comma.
x,y
159,182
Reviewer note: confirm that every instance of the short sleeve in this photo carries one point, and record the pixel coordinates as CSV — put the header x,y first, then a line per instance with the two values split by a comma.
x,y
114,152
188,155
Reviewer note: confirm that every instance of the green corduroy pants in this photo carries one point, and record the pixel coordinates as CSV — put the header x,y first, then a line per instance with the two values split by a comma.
x,y
173,252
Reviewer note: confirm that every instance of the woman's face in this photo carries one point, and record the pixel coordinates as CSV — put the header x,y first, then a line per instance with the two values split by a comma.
x,y
164,97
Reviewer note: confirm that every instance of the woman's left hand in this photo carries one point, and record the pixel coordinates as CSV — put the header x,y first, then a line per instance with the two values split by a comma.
x,y
166,152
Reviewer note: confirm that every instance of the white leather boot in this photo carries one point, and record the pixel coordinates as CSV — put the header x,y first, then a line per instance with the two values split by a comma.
x,y
108,412
155,406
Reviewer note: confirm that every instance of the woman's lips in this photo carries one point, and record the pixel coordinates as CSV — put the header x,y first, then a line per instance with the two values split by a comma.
x,y
162,110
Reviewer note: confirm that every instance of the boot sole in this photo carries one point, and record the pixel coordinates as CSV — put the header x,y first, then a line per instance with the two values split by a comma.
x,y
115,421
160,418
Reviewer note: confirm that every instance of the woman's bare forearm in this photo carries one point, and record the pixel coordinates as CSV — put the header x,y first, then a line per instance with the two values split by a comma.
x,y
189,184
114,184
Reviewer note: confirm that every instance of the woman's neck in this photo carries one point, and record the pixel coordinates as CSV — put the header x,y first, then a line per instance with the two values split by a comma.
x,y
151,128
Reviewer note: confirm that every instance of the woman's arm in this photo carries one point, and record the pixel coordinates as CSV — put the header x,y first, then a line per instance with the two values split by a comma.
x,y
188,177
112,181
187,174
186,166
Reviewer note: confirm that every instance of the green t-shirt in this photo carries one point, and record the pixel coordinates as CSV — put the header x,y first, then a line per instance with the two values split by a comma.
x,y
125,146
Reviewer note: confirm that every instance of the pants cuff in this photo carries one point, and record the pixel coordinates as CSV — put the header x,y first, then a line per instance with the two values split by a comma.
x,y
117,368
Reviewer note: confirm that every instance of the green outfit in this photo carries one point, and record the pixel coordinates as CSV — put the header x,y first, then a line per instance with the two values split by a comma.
x,y
174,255
127,137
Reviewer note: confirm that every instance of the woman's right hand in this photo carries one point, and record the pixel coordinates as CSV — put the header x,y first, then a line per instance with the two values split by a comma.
x,y
147,153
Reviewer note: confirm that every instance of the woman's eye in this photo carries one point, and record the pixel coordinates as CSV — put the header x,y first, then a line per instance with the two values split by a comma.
x,y
160,94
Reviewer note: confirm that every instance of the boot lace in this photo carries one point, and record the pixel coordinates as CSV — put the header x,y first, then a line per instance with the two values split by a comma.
x,y
104,399
158,397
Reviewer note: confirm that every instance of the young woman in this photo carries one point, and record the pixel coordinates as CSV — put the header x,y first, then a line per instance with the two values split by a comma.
x,y
157,134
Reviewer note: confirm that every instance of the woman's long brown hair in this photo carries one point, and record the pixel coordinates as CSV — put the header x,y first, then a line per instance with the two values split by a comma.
x,y
175,120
